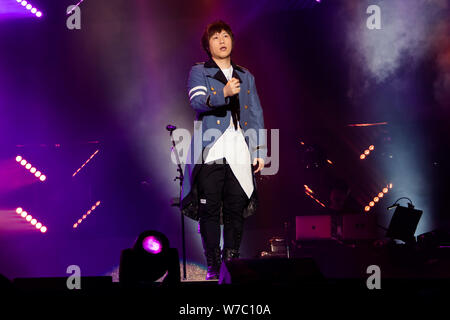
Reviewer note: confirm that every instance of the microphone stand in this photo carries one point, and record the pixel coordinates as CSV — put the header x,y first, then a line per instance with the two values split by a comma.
x,y
171,128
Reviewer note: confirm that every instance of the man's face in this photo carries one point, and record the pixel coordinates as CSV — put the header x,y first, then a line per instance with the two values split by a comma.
x,y
220,45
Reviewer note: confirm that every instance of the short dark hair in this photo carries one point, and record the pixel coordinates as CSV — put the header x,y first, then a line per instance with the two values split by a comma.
x,y
211,29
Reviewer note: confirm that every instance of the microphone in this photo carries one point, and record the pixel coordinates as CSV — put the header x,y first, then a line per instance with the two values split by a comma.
x,y
170,128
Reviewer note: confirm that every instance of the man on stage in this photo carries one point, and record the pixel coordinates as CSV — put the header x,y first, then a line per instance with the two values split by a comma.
x,y
219,184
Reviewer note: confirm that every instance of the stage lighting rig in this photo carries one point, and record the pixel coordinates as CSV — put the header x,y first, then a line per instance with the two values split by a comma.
x,y
150,259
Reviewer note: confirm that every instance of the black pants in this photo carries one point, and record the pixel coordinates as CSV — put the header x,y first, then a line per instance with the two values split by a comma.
x,y
218,185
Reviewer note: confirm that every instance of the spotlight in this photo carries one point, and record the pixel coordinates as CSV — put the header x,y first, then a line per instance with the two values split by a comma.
x,y
39,14
28,218
150,259
44,229
23,162
152,244
28,166
18,158
19,210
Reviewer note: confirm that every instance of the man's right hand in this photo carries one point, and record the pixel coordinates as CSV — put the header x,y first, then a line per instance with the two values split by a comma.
x,y
232,87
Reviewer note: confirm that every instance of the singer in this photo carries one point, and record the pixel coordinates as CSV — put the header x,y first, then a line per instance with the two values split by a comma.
x,y
220,187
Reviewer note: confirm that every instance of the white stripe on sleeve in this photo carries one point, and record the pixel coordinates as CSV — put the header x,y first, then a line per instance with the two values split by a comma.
x,y
197,88
196,94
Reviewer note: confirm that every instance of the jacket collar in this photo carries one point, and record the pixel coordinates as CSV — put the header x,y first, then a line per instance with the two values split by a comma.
x,y
218,75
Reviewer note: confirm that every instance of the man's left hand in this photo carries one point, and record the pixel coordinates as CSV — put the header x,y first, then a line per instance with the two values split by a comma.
x,y
260,163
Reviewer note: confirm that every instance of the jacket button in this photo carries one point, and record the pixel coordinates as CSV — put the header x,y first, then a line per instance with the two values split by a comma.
x,y
212,88
245,123
248,91
246,107
214,92
218,121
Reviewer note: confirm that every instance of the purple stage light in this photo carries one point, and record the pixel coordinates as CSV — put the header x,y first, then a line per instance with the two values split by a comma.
x,y
85,163
20,160
152,245
30,7
86,214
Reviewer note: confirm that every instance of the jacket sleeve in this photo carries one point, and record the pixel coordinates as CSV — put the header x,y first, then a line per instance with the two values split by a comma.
x,y
258,148
200,96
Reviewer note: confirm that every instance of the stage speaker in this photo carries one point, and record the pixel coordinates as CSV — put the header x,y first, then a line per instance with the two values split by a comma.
x,y
270,271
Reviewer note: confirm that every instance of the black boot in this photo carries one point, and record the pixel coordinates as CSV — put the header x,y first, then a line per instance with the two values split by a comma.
x,y
229,254
213,261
